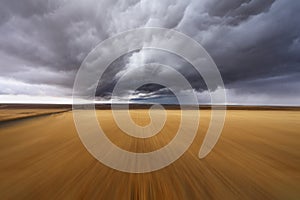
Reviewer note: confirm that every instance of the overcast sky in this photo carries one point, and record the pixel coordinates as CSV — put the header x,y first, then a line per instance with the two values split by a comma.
x,y
254,43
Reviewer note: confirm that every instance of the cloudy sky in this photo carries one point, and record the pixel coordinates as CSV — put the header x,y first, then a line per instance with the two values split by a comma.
x,y
254,43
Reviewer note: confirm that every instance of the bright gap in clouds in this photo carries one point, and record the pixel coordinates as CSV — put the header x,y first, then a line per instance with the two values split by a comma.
x,y
204,99
26,99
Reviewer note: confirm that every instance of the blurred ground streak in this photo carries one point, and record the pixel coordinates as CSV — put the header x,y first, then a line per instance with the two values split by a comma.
x,y
92,135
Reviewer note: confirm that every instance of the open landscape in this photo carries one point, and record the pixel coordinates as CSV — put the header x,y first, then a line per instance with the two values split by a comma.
x,y
150,100
256,157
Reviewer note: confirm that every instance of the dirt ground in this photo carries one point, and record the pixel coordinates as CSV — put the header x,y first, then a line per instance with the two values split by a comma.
x,y
256,157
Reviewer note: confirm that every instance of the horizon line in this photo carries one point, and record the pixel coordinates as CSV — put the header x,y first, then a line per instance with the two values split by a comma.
x,y
150,103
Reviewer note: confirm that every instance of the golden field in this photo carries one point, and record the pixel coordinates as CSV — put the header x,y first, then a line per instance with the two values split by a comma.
x,y
256,157
13,114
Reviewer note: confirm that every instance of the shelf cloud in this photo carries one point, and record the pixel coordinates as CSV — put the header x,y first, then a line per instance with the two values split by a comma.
x,y
255,44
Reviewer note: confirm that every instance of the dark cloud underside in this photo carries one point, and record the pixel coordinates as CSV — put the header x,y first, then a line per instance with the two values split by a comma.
x,y
255,44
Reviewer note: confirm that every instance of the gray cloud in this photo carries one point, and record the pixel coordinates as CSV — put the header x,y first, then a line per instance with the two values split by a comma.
x,y
259,46
253,42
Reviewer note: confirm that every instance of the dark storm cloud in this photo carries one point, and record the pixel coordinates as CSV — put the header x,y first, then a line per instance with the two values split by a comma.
x,y
57,35
237,11
139,58
261,46
253,42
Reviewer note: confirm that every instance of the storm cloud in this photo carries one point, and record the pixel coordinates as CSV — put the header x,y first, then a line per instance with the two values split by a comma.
x,y
255,44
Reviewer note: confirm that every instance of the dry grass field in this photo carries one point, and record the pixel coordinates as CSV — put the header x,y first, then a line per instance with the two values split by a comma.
x,y
14,111
10,115
256,157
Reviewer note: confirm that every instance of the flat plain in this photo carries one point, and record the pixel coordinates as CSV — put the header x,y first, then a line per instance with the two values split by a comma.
x,y
256,157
